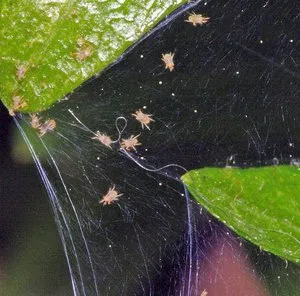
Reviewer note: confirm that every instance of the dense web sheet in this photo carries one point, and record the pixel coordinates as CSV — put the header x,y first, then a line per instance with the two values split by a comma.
x,y
232,99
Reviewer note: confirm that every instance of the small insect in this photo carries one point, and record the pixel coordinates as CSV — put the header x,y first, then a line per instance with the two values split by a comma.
x,y
197,19
130,143
168,59
104,139
48,126
35,121
18,103
21,72
143,118
204,293
111,196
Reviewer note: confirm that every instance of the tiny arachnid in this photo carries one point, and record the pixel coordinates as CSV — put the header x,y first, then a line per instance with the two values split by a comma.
x,y
85,50
48,126
111,196
168,59
144,119
83,53
18,103
130,143
42,128
35,121
197,19
21,72
104,139
204,293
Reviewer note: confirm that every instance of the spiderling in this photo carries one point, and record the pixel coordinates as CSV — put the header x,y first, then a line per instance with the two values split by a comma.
x,y
130,143
111,196
144,119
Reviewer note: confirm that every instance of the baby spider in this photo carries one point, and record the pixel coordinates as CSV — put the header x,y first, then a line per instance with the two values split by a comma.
x,y
85,49
197,19
18,103
21,72
83,53
130,143
168,59
143,118
48,126
35,121
104,139
110,197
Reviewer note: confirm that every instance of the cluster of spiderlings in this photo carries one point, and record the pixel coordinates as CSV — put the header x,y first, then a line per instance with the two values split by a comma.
x,y
85,50
126,145
130,143
18,102
42,128
194,19
144,119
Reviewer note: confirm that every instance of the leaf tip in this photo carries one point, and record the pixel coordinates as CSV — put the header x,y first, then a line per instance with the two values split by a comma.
x,y
186,178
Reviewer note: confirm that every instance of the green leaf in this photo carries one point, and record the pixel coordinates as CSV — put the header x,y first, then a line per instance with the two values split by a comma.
x,y
48,48
260,204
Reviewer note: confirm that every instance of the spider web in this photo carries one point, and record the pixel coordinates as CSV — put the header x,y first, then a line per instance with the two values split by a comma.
x,y
233,98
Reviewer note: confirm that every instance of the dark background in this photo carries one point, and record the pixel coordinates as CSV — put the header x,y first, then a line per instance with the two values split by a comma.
x,y
31,257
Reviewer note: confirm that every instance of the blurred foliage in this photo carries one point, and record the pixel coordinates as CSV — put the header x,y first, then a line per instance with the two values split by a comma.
x,y
32,262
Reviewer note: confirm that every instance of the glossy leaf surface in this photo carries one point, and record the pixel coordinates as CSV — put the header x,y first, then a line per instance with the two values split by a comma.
x,y
48,48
